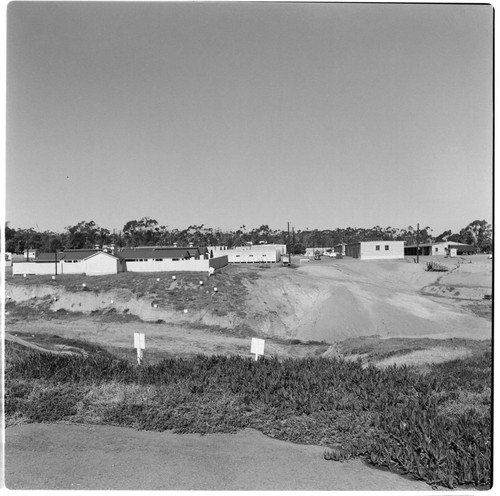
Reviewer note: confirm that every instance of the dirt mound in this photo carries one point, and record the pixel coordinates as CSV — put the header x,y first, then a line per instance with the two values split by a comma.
x,y
329,300
334,300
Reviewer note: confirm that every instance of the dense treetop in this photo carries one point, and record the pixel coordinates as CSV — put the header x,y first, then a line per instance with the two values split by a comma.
x,y
148,232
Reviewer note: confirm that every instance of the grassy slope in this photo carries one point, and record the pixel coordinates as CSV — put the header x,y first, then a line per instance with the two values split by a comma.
x,y
227,280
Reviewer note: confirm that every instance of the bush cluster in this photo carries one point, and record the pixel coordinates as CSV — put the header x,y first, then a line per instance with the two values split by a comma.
x,y
392,417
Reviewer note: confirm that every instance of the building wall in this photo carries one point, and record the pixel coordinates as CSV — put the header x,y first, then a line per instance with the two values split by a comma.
x,y
244,255
46,268
387,250
367,250
273,251
102,264
353,250
168,265
77,267
439,248
31,253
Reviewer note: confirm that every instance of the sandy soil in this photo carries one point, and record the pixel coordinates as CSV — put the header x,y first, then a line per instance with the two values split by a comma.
x,y
329,301
121,458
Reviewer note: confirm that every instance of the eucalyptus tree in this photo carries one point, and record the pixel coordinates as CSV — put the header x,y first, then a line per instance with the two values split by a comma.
x,y
479,234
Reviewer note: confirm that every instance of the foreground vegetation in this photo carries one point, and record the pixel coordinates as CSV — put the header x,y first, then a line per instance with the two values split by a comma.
x,y
435,426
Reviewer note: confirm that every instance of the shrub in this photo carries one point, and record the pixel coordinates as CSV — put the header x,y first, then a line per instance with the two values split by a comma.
x,y
53,404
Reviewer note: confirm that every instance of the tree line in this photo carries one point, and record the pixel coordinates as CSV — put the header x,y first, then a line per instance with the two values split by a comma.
x,y
148,232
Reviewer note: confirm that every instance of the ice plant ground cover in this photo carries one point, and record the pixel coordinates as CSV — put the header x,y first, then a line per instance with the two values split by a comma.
x,y
434,426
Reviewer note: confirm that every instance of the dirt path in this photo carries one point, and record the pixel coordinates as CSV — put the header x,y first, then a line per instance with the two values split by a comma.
x,y
117,458
173,339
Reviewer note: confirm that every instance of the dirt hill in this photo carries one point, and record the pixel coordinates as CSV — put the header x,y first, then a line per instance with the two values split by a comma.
x,y
327,300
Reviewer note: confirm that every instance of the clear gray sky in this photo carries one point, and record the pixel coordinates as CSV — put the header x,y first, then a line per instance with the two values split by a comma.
x,y
224,114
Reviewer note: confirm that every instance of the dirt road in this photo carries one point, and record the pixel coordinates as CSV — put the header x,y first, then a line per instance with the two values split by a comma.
x,y
117,458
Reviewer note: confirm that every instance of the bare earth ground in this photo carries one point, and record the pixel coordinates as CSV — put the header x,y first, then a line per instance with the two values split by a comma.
x,y
329,300
338,304
104,457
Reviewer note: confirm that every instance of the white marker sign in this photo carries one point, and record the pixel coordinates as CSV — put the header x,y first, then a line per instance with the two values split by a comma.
x,y
257,347
140,344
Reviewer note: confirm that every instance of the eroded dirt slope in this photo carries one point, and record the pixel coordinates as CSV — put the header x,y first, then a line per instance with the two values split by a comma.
x,y
329,300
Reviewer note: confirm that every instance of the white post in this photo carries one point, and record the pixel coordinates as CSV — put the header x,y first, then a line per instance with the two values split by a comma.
x,y
140,344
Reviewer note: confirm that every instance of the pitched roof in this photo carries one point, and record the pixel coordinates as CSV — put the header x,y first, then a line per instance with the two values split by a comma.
x,y
49,257
102,252
135,253
194,252
71,255
79,254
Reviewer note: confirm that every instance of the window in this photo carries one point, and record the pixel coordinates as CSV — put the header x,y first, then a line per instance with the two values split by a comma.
x,y
436,249
237,256
386,247
377,247
175,259
158,259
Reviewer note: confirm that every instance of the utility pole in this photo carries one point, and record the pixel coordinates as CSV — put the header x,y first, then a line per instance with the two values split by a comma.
x,y
418,232
288,239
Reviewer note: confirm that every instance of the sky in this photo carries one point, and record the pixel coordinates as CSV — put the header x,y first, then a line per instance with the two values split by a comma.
x,y
230,114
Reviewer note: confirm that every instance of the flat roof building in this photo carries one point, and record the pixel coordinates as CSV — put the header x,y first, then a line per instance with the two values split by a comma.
x,y
375,250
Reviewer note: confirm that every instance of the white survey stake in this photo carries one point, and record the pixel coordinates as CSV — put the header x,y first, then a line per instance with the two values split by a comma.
x,y
257,347
140,344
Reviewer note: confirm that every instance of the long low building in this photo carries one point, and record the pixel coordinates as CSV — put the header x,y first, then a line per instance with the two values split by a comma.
x,y
376,250
251,253
442,248
152,259
99,262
